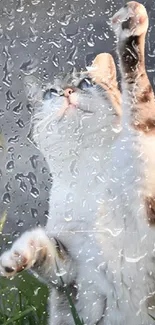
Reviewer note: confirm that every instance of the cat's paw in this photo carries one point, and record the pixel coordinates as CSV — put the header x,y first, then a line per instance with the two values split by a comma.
x,y
132,19
22,255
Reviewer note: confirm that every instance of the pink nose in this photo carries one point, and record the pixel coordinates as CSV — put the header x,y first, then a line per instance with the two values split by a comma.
x,y
68,92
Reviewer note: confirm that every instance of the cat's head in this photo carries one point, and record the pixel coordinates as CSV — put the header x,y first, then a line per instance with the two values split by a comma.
x,y
71,111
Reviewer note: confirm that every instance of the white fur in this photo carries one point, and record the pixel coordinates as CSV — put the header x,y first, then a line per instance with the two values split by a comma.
x,y
96,210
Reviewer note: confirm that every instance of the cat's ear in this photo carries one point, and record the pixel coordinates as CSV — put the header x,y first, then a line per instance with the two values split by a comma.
x,y
33,88
103,69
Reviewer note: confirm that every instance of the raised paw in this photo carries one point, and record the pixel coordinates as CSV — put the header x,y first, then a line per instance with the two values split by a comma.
x,y
132,19
23,254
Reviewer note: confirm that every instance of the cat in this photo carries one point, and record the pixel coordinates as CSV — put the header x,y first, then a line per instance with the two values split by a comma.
x,y
99,236
74,125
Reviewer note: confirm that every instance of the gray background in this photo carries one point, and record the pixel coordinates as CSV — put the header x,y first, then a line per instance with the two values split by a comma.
x,y
44,37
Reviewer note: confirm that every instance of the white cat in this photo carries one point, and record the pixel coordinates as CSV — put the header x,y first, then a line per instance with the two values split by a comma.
x,y
99,236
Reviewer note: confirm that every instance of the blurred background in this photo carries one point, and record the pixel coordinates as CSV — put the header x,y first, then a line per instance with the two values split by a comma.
x,y
44,38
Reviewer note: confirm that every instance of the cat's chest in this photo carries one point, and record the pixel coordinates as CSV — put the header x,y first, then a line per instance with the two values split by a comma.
x,y
78,189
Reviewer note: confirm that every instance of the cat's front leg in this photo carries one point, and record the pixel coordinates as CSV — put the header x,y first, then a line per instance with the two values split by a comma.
x,y
36,250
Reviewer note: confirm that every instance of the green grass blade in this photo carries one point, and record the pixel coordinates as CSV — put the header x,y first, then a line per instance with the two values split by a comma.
x,y
2,220
74,312
20,315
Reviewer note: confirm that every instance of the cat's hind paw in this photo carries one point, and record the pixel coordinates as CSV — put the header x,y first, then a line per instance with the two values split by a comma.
x,y
132,19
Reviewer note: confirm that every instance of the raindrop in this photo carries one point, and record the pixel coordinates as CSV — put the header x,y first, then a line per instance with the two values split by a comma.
x,y
33,34
10,97
17,109
8,187
60,272
32,178
20,123
73,168
19,176
34,161
65,20
90,40
33,17
1,113
29,67
34,192
34,213
68,215
24,42
90,27
10,165
55,42
55,60
50,12
91,13
35,2
6,198
69,198
10,25
23,186
6,52
14,139
20,5
71,56
1,31
20,223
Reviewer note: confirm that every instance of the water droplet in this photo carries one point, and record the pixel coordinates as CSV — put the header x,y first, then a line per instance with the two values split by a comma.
x,y
33,17
72,56
55,60
23,186
50,12
69,198
34,192
8,187
33,35
34,213
20,5
91,13
29,67
10,165
35,2
34,161
1,31
6,198
1,113
68,215
90,40
90,27
14,139
10,25
73,168
60,272
19,176
17,109
10,97
65,20
20,123
20,223
32,178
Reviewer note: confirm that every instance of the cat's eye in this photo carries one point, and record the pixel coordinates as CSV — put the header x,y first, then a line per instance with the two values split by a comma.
x,y
85,83
50,93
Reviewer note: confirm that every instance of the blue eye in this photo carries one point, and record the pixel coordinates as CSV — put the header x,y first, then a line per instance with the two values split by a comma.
x,y
85,84
50,93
